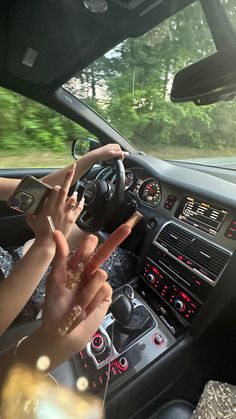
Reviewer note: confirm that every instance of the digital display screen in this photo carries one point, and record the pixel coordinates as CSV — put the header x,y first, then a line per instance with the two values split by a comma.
x,y
201,215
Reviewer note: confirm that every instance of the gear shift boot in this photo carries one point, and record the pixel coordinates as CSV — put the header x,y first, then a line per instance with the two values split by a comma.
x,y
125,335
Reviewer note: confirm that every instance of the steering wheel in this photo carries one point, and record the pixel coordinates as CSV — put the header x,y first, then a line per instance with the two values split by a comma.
x,y
102,199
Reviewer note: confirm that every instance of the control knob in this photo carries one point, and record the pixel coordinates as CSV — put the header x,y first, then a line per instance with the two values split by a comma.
x,y
179,305
150,277
98,343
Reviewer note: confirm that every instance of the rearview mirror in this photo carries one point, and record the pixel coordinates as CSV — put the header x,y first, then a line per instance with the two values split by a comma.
x,y
81,146
207,81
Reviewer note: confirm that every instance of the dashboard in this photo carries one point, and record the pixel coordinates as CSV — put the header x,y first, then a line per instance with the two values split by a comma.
x,y
190,239
196,208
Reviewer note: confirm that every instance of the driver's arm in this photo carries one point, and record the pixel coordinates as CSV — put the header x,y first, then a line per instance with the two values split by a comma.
x,y
107,152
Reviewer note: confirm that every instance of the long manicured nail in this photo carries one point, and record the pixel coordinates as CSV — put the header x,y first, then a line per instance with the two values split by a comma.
x,y
57,188
51,224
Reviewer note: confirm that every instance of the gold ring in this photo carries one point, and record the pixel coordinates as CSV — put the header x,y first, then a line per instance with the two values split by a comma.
x,y
74,277
73,206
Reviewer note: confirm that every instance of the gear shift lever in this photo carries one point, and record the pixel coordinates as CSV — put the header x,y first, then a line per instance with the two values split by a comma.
x,y
122,309
130,322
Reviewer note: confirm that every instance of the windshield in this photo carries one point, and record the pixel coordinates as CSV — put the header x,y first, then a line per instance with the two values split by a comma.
x,y
130,88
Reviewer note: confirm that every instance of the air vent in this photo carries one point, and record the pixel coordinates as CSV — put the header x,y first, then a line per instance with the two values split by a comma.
x,y
207,256
175,237
193,251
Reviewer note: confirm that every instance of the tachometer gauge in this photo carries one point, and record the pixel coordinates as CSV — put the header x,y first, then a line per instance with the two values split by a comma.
x,y
150,192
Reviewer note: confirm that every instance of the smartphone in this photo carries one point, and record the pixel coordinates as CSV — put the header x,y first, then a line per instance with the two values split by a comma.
x,y
29,195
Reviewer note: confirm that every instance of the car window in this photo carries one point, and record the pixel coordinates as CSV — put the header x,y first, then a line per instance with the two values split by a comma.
x,y
130,87
33,135
231,11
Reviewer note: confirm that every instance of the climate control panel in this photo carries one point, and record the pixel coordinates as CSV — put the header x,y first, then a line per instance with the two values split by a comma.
x,y
170,291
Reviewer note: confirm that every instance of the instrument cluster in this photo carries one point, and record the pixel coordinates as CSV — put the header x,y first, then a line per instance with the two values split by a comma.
x,y
147,190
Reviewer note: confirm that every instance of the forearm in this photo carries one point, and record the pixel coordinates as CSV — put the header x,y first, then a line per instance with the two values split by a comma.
x,y
16,290
82,166
7,187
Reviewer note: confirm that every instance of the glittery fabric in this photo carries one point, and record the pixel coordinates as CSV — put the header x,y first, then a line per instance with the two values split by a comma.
x,y
217,401
120,268
30,310
6,262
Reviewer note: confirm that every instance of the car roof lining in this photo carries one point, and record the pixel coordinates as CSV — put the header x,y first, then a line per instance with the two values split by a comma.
x,y
67,37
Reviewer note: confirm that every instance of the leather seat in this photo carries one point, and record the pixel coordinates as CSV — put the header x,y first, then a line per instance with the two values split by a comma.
x,y
176,409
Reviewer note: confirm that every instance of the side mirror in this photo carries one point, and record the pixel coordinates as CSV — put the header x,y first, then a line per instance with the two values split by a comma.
x,y
207,81
81,146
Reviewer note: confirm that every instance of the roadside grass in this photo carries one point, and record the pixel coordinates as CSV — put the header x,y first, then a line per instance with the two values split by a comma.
x,y
33,159
166,152
29,158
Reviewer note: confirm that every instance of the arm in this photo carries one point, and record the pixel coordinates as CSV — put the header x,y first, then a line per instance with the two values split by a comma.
x,y
24,278
94,297
109,151
7,187
104,153
16,290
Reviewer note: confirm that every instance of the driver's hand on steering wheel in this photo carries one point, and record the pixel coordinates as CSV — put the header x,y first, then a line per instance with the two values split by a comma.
x,y
109,152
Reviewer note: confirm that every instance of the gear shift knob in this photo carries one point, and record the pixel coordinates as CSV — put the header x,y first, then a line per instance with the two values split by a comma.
x,y
122,309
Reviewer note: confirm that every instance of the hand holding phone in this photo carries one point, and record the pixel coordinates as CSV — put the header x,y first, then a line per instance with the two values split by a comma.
x,y
29,195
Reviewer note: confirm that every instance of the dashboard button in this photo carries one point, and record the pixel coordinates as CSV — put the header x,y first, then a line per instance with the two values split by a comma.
x,y
123,364
97,343
230,233
158,339
170,201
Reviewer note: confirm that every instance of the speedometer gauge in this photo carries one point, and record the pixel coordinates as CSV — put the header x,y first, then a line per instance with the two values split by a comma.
x,y
150,192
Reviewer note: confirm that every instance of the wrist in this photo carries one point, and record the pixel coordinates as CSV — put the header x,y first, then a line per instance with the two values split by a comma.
x,y
44,344
47,243
31,348
90,158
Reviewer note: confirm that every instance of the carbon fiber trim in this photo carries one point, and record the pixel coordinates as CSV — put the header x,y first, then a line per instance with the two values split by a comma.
x,y
142,354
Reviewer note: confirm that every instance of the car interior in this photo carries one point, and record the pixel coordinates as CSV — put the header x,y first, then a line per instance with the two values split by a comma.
x,y
171,325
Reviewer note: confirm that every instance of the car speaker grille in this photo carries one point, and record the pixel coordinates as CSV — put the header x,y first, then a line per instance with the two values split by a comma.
x,y
210,259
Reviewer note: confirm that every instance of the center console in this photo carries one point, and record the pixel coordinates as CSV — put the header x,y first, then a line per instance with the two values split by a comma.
x,y
182,269
124,344
176,276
